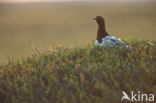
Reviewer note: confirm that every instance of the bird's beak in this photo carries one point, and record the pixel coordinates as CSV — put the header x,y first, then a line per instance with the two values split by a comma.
x,y
94,18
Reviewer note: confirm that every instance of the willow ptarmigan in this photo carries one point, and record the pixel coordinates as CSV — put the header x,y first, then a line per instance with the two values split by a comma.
x,y
103,38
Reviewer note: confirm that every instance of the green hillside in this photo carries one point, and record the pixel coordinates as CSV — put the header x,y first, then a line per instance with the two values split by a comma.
x,y
88,74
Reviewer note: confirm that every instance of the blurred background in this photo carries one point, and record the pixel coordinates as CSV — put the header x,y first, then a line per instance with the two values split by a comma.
x,y
49,23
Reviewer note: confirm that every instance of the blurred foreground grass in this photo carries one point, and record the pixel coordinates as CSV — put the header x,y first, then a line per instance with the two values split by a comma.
x,y
80,75
70,24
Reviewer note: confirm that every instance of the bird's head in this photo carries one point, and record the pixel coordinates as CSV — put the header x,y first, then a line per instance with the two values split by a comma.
x,y
99,20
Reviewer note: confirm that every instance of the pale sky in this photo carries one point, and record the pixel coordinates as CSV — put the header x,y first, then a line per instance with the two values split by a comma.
x,y
61,0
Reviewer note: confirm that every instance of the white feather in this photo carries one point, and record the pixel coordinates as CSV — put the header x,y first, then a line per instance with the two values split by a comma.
x,y
110,41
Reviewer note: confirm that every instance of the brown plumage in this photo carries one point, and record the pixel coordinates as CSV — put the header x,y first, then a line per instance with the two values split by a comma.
x,y
101,32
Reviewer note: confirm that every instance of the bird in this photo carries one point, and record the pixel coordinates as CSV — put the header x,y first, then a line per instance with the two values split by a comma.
x,y
103,39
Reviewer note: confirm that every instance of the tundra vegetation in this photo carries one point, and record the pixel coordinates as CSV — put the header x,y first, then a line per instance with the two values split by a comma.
x,y
89,74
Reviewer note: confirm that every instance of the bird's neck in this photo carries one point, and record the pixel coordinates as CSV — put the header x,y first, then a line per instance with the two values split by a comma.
x,y
101,33
102,30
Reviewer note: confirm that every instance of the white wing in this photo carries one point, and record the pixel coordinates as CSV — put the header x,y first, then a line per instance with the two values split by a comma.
x,y
110,41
